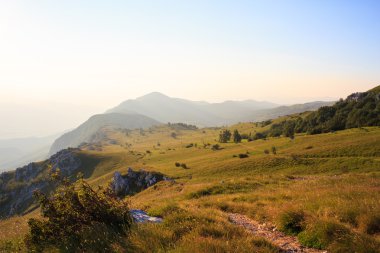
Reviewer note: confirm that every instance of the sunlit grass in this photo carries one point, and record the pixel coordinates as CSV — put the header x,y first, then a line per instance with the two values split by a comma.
x,y
332,177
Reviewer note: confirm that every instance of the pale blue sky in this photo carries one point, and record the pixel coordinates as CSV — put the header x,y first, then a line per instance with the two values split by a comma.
x,y
94,54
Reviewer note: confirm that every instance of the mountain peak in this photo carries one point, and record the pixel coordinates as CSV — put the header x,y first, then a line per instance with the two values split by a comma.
x,y
155,94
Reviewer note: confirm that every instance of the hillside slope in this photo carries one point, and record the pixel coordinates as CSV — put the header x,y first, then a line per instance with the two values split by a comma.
x,y
331,179
86,131
357,110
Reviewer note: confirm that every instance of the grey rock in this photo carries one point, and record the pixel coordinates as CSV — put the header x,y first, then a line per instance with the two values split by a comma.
x,y
17,187
134,181
140,216
119,185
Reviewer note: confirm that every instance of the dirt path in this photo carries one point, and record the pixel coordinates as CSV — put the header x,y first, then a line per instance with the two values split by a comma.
x,y
288,244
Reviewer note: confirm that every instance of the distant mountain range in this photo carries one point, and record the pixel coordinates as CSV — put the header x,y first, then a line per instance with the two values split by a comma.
x,y
156,108
166,109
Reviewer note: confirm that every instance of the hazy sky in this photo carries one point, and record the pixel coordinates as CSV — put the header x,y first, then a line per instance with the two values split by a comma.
x,y
87,56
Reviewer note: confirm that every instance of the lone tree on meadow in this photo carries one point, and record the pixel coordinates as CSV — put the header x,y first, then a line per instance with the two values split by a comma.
x,y
224,136
237,136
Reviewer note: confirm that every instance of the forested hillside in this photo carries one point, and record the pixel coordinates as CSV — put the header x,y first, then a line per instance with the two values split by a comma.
x,y
357,110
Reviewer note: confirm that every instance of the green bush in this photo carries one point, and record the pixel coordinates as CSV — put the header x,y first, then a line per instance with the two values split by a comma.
x,y
321,234
78,218
372,224
216,147
291,222
15,245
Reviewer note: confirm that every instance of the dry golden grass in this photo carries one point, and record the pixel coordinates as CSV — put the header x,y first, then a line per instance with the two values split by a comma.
x,y
332,177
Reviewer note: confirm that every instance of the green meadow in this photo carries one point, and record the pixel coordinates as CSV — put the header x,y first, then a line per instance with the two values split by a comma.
x,y
324,189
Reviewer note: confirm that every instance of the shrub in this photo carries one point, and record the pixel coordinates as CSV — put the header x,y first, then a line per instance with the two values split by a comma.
x,y
266,151
321,234
183,165
245,136
291,222
177,164
243,155
372,224
190,145
78,218
274,150
216,147
15,245
259,136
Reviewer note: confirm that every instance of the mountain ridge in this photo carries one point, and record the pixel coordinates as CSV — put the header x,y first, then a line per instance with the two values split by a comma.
x,y
204,114
86,130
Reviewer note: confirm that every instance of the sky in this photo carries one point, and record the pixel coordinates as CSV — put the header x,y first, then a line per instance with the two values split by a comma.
x,y
71,59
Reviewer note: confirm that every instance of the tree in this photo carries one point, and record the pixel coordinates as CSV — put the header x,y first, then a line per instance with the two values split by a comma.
x,y
288,129
237,136
224,136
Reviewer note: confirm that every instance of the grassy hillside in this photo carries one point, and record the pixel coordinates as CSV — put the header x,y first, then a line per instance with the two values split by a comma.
x,y
331,180
87,132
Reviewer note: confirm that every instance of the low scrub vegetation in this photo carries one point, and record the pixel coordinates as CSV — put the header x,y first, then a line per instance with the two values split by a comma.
x,y
243,155
77,218
336,238
292,222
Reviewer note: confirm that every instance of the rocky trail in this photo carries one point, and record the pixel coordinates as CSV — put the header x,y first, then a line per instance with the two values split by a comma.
x,y
288,244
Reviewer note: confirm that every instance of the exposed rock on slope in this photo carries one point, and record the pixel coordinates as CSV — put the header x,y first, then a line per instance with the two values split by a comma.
x,y
17,187
134,181
140,216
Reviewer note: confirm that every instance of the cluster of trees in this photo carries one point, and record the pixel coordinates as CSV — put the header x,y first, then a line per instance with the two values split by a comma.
x,y
225,136
358,110
182,126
